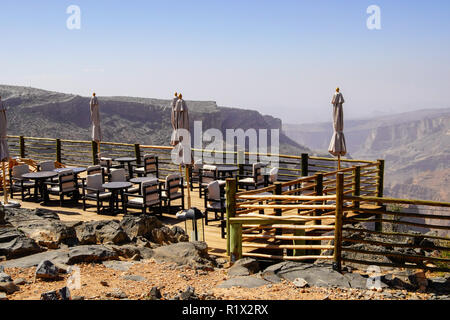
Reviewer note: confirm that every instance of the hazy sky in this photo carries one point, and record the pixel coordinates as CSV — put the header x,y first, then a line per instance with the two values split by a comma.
x,y
283,58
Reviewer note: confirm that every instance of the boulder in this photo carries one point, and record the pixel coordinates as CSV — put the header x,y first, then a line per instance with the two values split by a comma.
x,y
154,294
15,243
243,282
97,232
188,294
244,267
43,226
47,270
9,287
439,285
185,253
90,253
4,277
316,276
2,215
56,256
61,294
140,226
130,250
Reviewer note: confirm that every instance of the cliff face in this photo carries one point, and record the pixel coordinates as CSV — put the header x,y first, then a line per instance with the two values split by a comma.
x,y
415,145
35,112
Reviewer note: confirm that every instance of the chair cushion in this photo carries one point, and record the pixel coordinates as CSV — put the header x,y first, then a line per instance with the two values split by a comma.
x,y
247,180
273,174
214,190
118,175
174,195
95,181
102,195
214,205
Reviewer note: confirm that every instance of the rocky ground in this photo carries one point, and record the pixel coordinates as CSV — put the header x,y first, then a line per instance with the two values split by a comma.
x,y
139,258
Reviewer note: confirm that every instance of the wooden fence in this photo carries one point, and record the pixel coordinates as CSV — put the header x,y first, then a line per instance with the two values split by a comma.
x,y
293,220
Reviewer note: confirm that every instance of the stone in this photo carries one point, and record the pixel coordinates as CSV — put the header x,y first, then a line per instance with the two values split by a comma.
x,y
56,256
439,285
358,281
270,276
316,276
117,293
188,294
3,296
20,281
47,270
244,282
134,277
9,287
90,253
185,253
4,277
105,231
104,283
15,243
50,295
300,283
140,226
244,267
154,294
2,216
136,257
118,265
78,298
43,226
2,268
64,294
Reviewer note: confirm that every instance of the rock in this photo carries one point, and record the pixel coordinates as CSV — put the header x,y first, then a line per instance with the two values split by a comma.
x,y
133,277
358,281
143,242
244,267
104,283
118,265
188,294
117,293
8,287
130,250
43,226
15,243
270,276
2,216
140,226
2,269
3,296
136,257
154,294
105,231
300,283
47,270
316,276
50,295
78,298
244,282
56,256
20,281
64,294
439,285
185,253
4,277
90,253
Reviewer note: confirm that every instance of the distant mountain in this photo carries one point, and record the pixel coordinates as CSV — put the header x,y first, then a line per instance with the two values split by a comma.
x,y
415,145
41,113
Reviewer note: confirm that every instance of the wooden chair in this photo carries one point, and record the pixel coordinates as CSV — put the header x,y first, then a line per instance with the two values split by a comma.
x,y
255,181
195,173
18,183
208,174
150,167
150,197
171,191
66,185
93,190
215,202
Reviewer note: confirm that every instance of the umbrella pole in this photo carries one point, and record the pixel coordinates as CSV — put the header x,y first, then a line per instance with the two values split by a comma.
x,y
188,186
5,192
339,162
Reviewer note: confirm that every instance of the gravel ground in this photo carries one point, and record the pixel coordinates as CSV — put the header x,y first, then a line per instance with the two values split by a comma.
x,y
101,283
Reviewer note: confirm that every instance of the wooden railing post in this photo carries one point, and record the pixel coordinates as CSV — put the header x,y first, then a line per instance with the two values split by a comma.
x,y
137,153
357,186
278,191
319,192
22,146
338,221
94,152
305,159
58,150
230,190
380,178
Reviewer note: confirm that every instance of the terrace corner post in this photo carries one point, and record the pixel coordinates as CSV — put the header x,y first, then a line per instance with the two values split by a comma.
x,y
357,183
380,178
94,153
338,221
317,212
304,164
137,153
22,146
58,151
278,212
232,237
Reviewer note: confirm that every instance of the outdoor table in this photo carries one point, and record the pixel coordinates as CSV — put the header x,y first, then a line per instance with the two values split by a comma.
x,y
227,171
115,188
127,160
76,171
39,185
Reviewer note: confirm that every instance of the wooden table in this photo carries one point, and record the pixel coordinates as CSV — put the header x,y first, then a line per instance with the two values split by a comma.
x,y
227,170
115,188
39,183
127,160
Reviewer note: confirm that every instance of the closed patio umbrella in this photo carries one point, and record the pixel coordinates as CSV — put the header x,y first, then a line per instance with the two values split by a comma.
x,y
182,122
337,144
95,120
4,153
173,140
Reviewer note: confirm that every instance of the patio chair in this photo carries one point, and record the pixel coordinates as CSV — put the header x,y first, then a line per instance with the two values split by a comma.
x,y
93,190
273,175
46,166
18,183
171,191
66,185
150,167
195,173
215,202
207,175
96,170
150,197
120,175
255,181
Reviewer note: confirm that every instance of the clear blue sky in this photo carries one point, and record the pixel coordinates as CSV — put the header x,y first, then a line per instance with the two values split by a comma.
x,y
283,58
